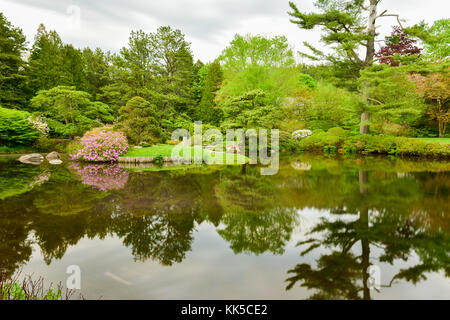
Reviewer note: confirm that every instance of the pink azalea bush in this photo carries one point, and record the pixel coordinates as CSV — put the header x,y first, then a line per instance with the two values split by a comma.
x,y
104,177
101,145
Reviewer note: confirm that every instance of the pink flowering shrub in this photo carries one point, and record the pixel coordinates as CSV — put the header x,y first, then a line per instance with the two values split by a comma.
x,y
104,177
101,145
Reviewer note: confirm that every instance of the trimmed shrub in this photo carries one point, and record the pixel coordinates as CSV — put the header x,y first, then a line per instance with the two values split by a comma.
x,y
100,146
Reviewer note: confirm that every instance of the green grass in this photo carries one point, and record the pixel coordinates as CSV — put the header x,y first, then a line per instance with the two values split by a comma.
x,y
440,140
165,150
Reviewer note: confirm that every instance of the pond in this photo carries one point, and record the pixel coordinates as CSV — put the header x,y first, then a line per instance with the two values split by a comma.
x,y
322,228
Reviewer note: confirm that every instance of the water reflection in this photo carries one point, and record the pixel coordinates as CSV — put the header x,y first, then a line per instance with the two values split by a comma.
x,y
372,212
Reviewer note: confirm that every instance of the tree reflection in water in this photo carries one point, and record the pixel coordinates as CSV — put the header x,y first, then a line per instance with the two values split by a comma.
x,y
368,205
387,218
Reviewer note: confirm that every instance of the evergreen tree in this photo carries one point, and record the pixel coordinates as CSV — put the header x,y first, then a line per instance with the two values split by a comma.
x,y
348,26
207,112
12,78
53,63
46,61
200,73
173,69
139,119
96,66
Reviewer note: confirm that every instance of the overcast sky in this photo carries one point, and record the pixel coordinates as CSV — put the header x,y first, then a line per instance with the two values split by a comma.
x,y
208,24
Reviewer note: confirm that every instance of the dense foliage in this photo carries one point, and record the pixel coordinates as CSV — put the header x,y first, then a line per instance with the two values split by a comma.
x,y
152,86
15,128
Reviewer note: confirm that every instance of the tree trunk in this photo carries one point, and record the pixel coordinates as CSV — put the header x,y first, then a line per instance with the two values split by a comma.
x,y
371,30
442,128
365,126
370,53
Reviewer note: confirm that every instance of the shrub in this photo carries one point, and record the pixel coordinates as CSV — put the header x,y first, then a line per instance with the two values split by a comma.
x,y
15,128
44,144
320,141
287,142
379,144
100,146
159,160
337,131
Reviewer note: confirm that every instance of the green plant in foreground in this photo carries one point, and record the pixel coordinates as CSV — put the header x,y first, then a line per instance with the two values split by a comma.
x,y
29,289
159,160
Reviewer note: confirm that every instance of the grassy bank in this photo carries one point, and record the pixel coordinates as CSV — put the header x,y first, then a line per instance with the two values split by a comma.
x,y
435,140
165,150
337,140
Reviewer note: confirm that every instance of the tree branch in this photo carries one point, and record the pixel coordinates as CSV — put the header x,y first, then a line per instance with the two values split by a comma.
x,y
391,15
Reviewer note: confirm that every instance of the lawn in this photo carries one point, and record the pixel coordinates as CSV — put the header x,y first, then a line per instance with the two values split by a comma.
x,y
165,150
440,140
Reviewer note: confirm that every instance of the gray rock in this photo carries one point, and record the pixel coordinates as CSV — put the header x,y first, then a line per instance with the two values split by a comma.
x,y
34,158
53,156
55,161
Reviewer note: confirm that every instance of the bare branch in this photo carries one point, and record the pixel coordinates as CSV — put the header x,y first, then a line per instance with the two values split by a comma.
x,y
392,15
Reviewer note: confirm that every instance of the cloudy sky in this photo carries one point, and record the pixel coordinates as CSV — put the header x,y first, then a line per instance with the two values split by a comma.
x,y
208,24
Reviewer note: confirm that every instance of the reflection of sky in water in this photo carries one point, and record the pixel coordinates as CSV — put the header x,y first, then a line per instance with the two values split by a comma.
x,y
211,271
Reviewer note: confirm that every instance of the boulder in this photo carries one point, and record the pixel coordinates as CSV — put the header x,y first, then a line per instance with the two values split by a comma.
x,y
53,156
34,158
55,161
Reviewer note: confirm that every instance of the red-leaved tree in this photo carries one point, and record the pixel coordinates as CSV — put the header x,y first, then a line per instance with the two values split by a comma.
x,y
397,43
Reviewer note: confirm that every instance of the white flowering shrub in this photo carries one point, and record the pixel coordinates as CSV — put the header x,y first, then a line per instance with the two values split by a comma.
x,y
38,123
299,134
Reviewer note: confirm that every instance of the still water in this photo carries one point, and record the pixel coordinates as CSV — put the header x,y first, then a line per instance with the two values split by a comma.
x,y
322,228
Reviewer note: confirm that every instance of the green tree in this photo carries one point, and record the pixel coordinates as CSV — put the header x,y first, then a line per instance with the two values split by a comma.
x,y
52,63
139,119
72,111
207,112
257,62
96,64
250,110
259,73
348,28
173,69
12,77
200,71
133,68
435,38
392,96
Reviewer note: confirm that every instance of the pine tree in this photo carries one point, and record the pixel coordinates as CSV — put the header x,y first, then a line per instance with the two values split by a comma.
x,y
12,77
348,26
174,70
52,63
